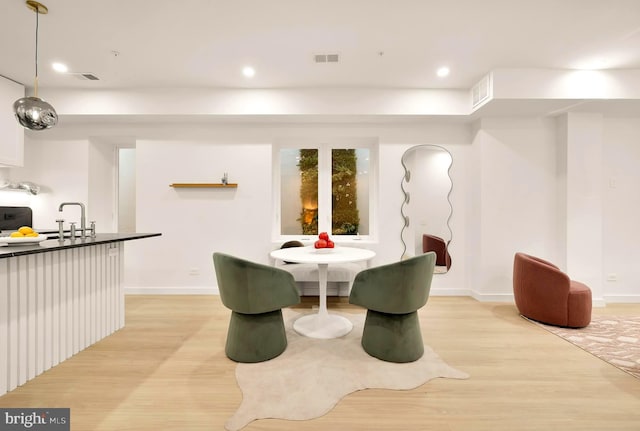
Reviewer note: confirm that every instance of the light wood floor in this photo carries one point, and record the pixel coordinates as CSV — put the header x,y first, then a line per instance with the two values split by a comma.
x,y
166,370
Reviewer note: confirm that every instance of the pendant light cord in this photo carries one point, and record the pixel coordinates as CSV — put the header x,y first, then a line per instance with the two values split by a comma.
x,y
32,112
36,81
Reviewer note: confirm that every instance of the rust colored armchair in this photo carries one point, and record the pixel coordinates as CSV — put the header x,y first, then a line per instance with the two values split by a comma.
x,y
544,293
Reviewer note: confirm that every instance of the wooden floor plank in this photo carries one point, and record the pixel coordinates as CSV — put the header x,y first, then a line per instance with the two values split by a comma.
x,y
167,370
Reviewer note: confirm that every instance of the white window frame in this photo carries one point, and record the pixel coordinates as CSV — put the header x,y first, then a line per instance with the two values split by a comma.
x,y
324,147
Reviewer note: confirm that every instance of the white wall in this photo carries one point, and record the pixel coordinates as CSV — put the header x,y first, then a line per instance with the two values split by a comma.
x,y
506,195
584,199
516,206
126,219
194,223
621,235
61,168
101,177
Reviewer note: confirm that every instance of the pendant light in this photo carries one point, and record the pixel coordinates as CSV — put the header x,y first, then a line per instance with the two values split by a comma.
x,y
33,112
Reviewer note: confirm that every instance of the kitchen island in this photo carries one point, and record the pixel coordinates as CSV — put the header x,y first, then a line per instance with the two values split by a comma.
x,y
56,299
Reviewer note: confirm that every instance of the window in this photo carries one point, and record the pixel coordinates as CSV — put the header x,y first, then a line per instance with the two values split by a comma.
x,y
324,188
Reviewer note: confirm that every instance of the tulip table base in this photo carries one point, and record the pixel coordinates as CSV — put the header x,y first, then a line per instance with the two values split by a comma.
x,y
323,325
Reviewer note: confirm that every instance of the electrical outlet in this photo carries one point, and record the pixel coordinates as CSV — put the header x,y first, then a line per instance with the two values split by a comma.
x,y
612,276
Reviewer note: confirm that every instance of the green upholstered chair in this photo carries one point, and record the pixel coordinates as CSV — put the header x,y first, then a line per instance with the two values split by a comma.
x,y
392,295
255,294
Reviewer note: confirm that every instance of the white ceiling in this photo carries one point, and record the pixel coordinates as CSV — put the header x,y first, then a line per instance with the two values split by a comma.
x,y
381,43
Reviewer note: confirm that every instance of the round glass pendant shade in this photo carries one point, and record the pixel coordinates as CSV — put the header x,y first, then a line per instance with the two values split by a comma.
x,y
34,113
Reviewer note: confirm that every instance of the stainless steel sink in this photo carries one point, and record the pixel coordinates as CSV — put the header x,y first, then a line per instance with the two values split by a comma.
x,y
57,236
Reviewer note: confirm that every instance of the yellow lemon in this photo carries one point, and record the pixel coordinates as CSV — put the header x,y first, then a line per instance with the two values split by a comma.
x,y
33,234
16,235
25,230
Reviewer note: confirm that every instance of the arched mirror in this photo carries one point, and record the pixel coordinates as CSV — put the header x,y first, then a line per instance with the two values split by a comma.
x,y
426,209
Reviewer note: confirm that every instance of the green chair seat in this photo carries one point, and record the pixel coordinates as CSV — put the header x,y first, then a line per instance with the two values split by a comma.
x,y
392,295
255,294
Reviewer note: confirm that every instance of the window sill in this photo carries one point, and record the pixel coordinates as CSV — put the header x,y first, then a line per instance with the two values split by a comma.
x,y
309,240
203,185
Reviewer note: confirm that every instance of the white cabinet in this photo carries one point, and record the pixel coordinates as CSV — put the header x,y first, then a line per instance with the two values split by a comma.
x,y
11,132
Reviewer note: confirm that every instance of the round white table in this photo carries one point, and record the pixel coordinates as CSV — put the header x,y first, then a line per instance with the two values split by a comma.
x,y
322,324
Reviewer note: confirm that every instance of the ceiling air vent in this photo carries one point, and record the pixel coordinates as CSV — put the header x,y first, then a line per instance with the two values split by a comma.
x,y
90,76
481,92
86,76
326,58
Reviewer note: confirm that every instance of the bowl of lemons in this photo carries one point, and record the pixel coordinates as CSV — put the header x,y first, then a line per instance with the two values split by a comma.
x,y
24,235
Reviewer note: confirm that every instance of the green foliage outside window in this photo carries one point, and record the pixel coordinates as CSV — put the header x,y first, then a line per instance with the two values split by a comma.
x,y
345,216
308,166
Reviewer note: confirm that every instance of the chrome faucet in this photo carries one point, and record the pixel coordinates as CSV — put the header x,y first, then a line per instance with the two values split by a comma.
x,y
83,227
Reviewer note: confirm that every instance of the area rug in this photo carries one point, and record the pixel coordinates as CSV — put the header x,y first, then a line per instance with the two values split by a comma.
x,y
312,375
614,339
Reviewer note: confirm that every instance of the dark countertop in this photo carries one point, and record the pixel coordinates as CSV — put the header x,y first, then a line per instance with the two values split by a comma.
x,y
54,244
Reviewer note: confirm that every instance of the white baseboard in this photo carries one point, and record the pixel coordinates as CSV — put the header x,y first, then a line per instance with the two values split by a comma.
x,y
165,290
448,292
492,297
508,297
622,299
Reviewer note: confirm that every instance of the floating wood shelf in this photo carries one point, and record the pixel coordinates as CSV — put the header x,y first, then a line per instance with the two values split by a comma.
x,y
204,185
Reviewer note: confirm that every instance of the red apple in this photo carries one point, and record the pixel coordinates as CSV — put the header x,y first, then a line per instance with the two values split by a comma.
x,y
330,244
321,243
324,236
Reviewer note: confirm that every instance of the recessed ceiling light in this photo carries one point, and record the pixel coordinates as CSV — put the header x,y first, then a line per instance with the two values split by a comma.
x,y
248,71
60,67
443,71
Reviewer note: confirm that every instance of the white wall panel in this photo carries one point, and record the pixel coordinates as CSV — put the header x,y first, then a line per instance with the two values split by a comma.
x,y
55,304
516,201
584,220
4,324
621,236
21,319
